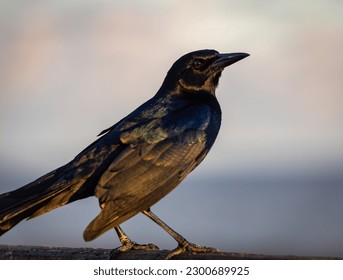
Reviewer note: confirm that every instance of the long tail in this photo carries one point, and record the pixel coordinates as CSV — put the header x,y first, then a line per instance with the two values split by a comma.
x,y
42,195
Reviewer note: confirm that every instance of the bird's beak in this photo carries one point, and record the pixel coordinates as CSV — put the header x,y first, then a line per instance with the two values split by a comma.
x,y
225,59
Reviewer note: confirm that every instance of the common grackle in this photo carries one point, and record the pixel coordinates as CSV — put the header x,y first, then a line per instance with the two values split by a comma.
x,y
140,159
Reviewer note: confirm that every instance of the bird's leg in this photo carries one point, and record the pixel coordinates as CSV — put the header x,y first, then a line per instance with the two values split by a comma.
x,y
128,244
184,245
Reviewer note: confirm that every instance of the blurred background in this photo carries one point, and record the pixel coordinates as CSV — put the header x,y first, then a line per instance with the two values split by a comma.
x,y
273,182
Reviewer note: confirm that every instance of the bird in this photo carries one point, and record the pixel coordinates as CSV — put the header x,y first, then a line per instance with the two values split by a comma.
x,y
140,159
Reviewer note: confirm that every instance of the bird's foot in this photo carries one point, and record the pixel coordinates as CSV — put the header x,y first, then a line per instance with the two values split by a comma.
x,y
135,246
191,248
130,245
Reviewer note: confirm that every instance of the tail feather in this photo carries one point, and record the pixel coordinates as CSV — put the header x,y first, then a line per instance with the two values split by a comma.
x,y
73,181
42,195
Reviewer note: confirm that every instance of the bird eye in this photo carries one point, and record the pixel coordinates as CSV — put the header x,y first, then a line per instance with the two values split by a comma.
x,y
197,64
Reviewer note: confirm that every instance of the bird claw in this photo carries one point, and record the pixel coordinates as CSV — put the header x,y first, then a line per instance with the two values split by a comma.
x,y
190,248
130,245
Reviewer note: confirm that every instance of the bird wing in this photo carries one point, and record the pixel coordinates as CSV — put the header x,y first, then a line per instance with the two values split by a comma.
x,y
158,156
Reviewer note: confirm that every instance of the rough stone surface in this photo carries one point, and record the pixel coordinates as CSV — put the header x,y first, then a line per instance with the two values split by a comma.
x,y
8,252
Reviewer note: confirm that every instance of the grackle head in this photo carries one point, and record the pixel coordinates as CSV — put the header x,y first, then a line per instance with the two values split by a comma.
x,y
200,70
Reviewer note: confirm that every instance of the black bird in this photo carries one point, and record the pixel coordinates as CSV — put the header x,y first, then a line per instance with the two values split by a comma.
x,y
140,159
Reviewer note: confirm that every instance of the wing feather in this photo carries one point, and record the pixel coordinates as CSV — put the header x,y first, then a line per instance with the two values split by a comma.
x,y
148,176
158,156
